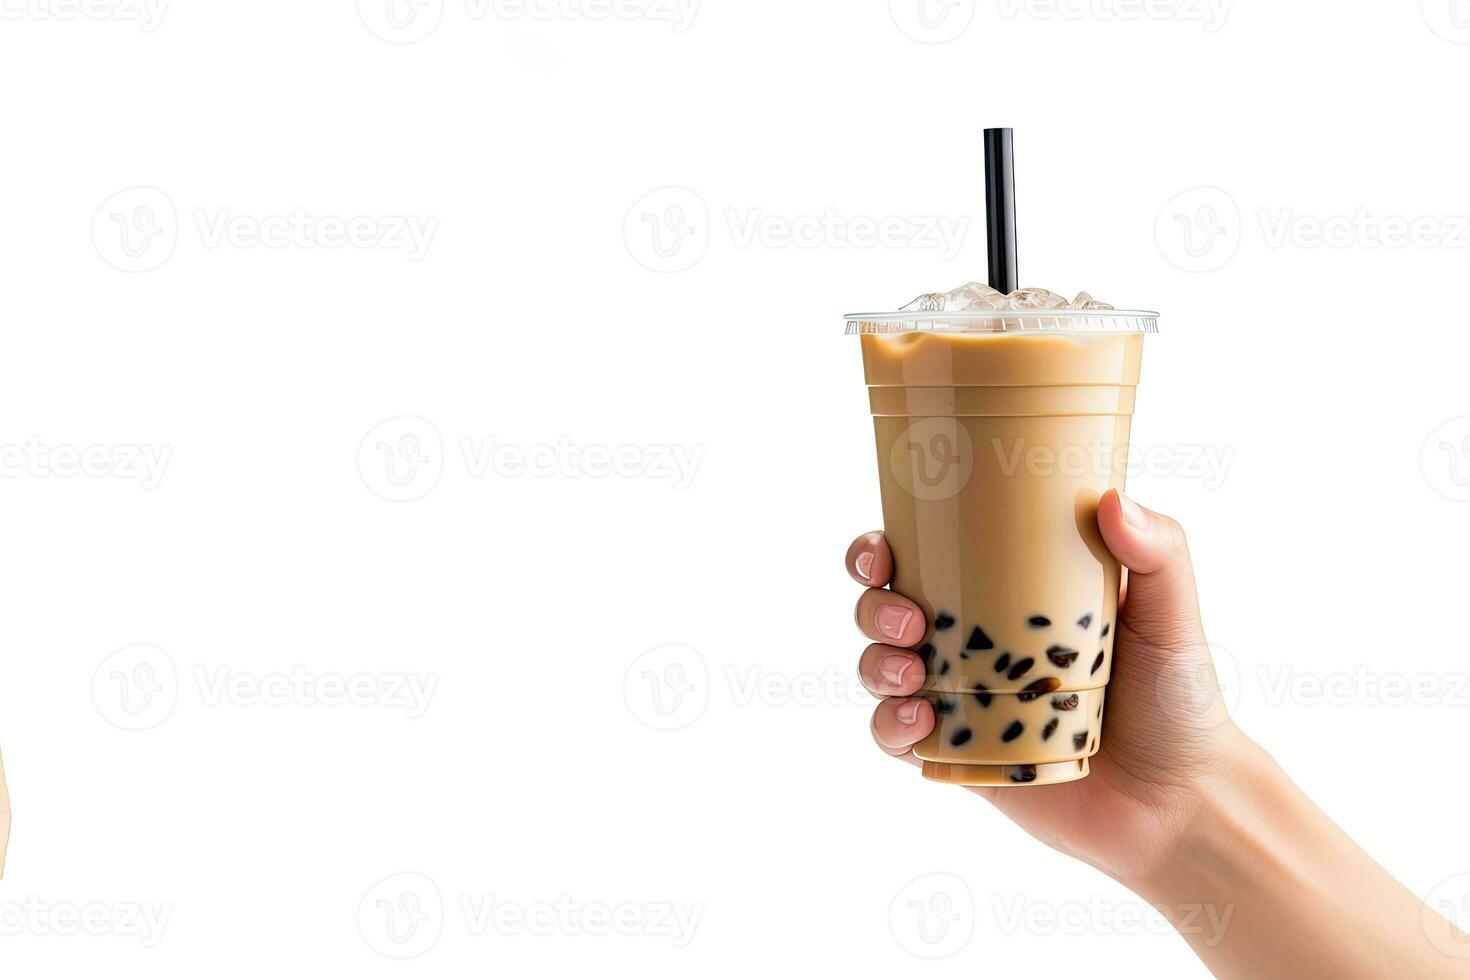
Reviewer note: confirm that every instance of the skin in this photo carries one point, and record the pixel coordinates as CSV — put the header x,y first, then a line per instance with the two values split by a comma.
x,y
4,817
1181,807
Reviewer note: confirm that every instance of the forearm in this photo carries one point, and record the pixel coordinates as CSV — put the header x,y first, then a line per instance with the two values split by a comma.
x,y
1263,884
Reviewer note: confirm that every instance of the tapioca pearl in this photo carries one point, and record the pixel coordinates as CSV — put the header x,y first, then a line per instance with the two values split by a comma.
x,y
979,641
1062,656
1086,621
964,654
943,667
1003,662
982,694
1044,685
1021,668
1068,703
926,652
945,706
1079,740
960,737
1038,622
1098,662
1013,732
1050,729
943,621
1023,774
1107,628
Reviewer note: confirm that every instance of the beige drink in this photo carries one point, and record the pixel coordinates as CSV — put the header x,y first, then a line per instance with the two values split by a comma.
x,y
996,436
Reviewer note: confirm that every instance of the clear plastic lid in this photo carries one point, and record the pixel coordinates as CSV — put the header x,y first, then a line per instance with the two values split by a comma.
x,y
1006,321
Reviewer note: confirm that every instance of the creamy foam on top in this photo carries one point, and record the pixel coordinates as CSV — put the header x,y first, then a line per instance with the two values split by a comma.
x,y
973,296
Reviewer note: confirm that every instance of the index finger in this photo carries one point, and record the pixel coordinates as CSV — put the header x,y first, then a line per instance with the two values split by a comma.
x,y
869,561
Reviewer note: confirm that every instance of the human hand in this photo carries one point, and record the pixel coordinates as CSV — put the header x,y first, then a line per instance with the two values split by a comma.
x,y
1167,732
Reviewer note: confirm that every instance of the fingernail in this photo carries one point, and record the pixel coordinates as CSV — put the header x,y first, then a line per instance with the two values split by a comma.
x,y
1132,513
892,620
892,668
864,565
908,712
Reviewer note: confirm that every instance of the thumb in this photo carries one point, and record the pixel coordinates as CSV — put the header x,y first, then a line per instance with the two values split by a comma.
x,y
1162,607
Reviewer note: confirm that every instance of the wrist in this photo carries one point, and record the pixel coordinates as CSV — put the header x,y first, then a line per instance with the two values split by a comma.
x,y
1226,817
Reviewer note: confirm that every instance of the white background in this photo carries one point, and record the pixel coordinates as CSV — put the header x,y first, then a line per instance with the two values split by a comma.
x,y
262,828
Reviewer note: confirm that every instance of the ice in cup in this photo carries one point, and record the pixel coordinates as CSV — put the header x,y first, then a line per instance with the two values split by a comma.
x,y
1000,422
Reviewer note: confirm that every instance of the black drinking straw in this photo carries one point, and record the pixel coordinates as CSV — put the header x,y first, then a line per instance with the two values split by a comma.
x,y
1000,209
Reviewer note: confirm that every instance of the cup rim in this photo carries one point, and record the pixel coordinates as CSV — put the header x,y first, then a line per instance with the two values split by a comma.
x,y
1005,321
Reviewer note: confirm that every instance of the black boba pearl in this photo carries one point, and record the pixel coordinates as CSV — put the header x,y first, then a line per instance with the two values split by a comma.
x,y
1079,740
1061,656
1003,662
1050,729
1013,732
1085,621
982,694
945,706
1107,628
1023,774
943,667
926,652
943,621
1021,668
960,737
1098,662
979,641
1038,622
